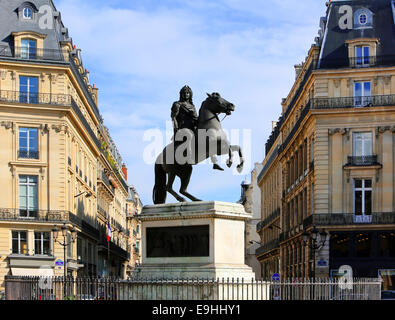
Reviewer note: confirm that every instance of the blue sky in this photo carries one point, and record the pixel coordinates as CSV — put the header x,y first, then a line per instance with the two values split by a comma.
x,y
140,53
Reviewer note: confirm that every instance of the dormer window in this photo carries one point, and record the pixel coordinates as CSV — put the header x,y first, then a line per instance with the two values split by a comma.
x,y
28,49
363,18
362,52
27,13
362,55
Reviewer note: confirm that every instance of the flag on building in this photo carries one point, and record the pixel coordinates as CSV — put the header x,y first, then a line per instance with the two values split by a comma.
x,y
108,232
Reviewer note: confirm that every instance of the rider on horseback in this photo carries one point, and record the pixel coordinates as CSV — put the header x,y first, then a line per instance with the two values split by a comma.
x,y
185,120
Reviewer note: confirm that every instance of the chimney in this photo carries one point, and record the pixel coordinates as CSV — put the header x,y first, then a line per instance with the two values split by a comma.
x,y
125,171
95,92
298,69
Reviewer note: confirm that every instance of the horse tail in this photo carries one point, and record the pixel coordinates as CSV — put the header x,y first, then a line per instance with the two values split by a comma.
x,y
160,191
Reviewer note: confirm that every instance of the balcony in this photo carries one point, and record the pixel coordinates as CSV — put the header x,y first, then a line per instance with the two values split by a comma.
x,y
275,214
22,53
362,161
266,248
104,246
344,219
102,178
51,216
353,102
7,214
35,98
28,154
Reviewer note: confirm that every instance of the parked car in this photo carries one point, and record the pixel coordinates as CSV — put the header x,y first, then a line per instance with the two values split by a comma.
x,y
87,297
388,295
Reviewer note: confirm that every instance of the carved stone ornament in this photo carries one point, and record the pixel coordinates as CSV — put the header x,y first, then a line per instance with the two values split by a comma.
x,y
7,124
44,129
60,128
3,74
336,130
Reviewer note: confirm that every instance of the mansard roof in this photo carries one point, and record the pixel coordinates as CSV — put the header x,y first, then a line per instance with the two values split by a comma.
x,y
11,21
380,24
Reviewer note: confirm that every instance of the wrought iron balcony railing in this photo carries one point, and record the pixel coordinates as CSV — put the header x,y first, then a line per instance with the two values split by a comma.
x,y
113,247
362,160
13,214
28,154
275,214
24,53
340,219
102,177
52,216
353,102
35,98
274,244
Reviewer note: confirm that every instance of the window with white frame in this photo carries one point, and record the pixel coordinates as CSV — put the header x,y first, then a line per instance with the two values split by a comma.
x,y
19,242
362,55
28,143
362,144
28,89
28,49
363,197
42,243
362,93
28,196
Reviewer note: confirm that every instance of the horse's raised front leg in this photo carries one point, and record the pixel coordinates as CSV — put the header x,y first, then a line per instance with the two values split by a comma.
x,y
238,149
169,188
229,162
185,178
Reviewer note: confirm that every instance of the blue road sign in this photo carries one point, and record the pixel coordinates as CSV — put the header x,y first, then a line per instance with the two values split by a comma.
x,y
276,277
59,263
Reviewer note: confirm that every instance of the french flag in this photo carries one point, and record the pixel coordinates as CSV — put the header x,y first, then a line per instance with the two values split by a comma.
x,y
108,233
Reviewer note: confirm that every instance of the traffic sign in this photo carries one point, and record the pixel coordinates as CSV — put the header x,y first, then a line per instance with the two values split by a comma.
x,y
276,277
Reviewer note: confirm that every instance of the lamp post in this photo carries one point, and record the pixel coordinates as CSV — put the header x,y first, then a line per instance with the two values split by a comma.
x,y
64,229
315,240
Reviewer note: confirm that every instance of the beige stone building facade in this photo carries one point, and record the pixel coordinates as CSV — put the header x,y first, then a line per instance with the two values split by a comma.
x,y
58,163
134,208
330,160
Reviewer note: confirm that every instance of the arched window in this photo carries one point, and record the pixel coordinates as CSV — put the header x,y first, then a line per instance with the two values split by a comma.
x,y
27,13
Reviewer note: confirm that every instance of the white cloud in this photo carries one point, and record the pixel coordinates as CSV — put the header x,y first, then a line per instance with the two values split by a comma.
x,y
141,58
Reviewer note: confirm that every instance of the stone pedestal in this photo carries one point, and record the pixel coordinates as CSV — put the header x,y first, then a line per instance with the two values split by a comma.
x,y
193,240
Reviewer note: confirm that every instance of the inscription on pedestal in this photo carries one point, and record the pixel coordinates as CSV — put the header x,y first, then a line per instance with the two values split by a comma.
x,y
176,242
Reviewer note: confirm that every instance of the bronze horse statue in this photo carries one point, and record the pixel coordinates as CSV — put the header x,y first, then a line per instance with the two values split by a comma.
x,y
209,140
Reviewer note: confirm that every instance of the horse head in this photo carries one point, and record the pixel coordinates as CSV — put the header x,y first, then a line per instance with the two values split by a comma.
x,y
217,104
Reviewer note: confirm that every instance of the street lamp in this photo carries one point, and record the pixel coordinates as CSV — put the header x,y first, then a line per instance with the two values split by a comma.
x,y
315,240
64,229
253,241
88,194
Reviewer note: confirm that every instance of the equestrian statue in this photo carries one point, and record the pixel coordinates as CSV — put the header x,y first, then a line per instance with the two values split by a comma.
x,y
196,138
